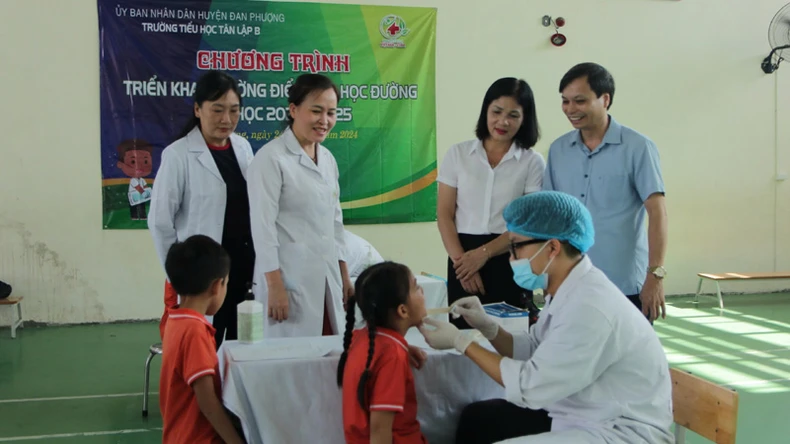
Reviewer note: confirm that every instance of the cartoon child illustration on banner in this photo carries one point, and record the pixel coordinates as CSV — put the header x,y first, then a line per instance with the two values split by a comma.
x,y
135,159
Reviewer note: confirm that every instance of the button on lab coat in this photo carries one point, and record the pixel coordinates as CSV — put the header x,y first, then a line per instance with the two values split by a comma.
x,y
189,194
297,227
594,362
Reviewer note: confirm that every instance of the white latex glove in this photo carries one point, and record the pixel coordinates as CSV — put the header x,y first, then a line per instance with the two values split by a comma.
x,y
445,335
474,314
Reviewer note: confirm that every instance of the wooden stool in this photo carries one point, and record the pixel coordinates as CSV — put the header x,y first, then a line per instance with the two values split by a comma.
x,y
11,301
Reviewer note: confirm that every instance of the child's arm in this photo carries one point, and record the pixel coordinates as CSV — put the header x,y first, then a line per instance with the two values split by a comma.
x,y
213,410
381,426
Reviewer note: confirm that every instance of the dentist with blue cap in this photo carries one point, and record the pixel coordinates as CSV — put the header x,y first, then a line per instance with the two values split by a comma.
x,y
591,370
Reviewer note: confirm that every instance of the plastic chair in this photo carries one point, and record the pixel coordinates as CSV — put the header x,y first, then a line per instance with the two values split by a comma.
x,y
154,350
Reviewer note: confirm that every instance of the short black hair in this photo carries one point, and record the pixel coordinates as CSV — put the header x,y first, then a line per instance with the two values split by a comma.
x,y
599,79
210,87
529,133
566,248
194,264
570,250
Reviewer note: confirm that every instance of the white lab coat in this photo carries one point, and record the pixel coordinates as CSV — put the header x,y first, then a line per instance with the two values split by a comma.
x,y
360,254
594,362
297,227
189,194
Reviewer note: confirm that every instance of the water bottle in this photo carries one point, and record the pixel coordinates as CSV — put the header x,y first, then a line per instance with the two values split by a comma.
x,y
250,319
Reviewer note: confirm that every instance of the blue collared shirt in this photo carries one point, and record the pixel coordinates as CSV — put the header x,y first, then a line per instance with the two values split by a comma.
x,y
613,181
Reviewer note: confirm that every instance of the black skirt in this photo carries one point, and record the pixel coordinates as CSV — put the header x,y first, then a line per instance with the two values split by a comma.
x,y
496,274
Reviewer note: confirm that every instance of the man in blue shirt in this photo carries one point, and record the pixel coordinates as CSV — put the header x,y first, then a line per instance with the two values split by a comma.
x,y
616,172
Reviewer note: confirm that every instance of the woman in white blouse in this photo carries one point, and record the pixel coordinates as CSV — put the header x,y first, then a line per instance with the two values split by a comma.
x,y
477,179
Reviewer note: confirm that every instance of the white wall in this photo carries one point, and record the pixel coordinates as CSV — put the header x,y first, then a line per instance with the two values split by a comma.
x,y
687,75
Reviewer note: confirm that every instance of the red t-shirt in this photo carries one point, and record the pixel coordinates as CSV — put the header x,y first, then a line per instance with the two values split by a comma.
x,y
390,387
188,353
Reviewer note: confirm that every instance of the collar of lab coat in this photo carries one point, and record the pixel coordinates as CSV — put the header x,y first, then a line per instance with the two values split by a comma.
x,y
568,286
296,149
197,144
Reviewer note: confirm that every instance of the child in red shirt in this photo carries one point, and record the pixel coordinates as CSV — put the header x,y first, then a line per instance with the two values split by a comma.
x,y
379,400
189,386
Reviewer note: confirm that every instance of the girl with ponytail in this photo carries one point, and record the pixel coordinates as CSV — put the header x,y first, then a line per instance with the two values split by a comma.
x,y
379,399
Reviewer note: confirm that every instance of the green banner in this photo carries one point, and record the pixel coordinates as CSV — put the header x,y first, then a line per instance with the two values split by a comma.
x,y
382,59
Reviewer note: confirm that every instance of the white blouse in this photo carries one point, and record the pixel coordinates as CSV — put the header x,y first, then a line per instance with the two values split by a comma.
x,y
484,192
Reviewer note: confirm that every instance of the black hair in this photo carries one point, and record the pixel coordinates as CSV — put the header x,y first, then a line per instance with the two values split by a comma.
x,y
193,265
305,85
566,248
210,87
529,133
379,290
570,250
599,79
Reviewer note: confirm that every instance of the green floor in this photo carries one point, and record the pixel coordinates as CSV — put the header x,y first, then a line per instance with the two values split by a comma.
x,y
83,384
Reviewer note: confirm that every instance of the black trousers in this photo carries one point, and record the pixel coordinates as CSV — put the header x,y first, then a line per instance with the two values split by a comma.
x,y
636,301
242,264
496,420
634,298
496,274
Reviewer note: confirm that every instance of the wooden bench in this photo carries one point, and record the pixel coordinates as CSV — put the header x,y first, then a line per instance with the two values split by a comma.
x,y
703,407
717,277
12,301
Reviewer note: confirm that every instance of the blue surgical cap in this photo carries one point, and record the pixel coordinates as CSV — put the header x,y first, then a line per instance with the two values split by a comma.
x,y
551,215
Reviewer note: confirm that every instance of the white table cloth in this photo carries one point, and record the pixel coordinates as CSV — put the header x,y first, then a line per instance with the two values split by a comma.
x,y
297,400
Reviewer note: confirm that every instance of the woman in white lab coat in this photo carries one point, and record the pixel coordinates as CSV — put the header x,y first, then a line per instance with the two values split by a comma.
x,y
201,188
591,370
297,223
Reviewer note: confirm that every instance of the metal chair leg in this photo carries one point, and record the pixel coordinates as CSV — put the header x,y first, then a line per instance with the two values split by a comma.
x,y
147,377
15,322
699,290
718,293
680,434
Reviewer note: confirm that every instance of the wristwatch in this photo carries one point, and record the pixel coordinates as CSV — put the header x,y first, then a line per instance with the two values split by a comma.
x,y
659,272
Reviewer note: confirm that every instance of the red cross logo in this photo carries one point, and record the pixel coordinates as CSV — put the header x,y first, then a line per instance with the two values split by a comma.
x,y
393,29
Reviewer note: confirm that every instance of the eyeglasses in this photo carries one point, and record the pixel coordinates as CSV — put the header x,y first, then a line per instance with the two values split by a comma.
x,y
515,245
